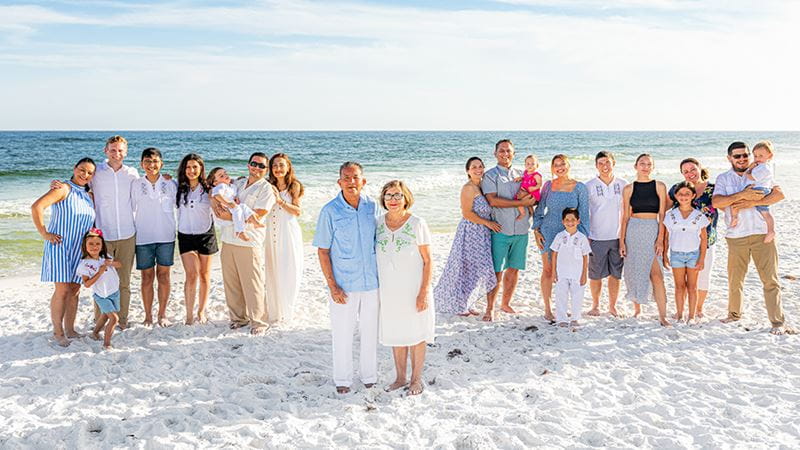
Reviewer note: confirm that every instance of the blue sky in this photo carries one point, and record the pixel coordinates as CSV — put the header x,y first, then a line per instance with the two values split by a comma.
x,y
513,64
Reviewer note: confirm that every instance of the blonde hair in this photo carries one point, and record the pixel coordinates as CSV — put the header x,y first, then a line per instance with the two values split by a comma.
x,y
562,157
409,198
767,145
116,138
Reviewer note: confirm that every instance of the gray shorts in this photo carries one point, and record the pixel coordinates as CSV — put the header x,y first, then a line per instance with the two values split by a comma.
x,y
605,260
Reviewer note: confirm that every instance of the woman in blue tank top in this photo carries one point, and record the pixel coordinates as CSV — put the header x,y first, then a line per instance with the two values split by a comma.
x,y
72,215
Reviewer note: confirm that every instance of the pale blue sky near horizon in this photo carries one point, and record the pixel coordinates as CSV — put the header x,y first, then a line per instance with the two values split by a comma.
x,y
399,65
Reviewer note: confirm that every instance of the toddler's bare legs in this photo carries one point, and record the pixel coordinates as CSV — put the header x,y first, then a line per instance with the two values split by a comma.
x,y
252,220
520,212
770,226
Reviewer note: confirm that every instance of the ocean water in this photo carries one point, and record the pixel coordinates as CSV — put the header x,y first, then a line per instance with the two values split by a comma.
x,y
432,163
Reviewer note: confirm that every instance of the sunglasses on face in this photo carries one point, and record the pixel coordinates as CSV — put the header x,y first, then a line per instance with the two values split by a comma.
x,y
258,165
740,155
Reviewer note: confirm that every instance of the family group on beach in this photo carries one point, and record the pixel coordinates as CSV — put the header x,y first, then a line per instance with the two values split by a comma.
x,y
378,265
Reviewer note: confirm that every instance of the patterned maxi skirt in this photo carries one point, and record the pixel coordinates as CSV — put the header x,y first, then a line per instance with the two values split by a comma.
x,y
640,240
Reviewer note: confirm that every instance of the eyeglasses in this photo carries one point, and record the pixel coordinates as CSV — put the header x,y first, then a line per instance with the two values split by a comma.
x,y
258,165
740,155
397,196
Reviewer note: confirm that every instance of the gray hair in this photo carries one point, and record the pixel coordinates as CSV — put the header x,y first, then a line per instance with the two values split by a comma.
x,y
348,164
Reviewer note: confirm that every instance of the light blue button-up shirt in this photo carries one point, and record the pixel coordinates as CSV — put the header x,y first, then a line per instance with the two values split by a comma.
x,y
349,233
499,180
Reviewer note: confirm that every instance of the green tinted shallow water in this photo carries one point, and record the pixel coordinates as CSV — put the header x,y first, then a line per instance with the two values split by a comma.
x,y
430,162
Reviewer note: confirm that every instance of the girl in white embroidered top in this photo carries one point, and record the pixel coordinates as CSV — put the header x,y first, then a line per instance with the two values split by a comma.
x,y
686,234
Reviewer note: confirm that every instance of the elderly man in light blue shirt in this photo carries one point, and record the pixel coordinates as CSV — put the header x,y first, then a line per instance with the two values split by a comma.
x,y
500,185
345,241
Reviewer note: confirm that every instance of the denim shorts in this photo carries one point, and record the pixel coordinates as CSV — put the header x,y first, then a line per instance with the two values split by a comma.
x,y
107,304
683,259
161,253
765,191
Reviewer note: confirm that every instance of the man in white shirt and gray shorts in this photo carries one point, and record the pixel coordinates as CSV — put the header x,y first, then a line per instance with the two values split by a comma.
x,y
605,209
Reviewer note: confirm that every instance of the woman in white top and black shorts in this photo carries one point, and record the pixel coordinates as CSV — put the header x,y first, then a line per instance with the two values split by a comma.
x,y
196,238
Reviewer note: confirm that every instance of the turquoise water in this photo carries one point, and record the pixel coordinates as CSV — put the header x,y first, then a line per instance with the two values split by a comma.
x,y
430,162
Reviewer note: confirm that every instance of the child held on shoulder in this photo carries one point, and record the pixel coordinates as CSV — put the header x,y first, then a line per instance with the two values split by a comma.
x,y
687,237
99,272
531,184
225,192
570,268
760,175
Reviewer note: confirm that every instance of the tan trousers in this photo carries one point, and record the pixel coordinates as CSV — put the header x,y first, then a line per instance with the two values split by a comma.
x,y
124,252
243,276
765,258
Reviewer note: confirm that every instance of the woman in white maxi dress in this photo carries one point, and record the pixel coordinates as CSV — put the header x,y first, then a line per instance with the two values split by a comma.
x,y
402,243
283,255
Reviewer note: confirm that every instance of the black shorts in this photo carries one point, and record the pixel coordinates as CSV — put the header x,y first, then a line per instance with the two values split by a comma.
x,y
204,244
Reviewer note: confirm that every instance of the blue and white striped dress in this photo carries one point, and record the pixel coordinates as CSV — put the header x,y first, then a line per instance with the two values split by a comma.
x,y
71,218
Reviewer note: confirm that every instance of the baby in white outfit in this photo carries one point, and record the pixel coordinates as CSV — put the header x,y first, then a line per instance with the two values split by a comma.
x,y
225,192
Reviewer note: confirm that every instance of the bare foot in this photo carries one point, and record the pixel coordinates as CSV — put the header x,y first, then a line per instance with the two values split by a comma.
x,y
107,347
574,324
163,322
74,335
148,323
613,312
677,316
396,385
664,322
61,340
236,325
201,317
782,330
699,314
122,326
729,320
95,336
488,317
769,237
342,390
415,388
637,309
563,324
259,331
470,312
593,312
507,309
548,316
369,385
189,321
243,236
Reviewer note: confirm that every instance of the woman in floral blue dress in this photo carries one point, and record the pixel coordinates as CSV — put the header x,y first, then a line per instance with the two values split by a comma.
x,y
695,173
469,273
560,193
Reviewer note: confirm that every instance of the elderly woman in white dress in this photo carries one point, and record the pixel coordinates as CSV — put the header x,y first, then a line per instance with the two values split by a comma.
x,y
402,245
284,244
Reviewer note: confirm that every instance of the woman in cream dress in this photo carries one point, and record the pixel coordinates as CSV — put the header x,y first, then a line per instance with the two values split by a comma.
x,y
284,243
402,247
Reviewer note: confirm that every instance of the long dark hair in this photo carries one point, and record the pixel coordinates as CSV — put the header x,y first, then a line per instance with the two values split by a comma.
x,y
81,161
183,181
94,232
291,180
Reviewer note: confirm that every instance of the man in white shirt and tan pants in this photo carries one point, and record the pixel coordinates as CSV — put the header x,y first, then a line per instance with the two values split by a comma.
x,y
111,186
746,239
243,261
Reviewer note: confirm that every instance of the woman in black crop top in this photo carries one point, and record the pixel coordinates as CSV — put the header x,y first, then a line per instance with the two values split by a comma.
x,y
644,203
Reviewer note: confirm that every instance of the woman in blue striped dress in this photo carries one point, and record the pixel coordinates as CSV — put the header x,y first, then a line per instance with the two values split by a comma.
x,y
72,216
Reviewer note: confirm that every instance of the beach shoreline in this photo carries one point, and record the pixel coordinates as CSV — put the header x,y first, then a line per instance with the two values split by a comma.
x,y
517,382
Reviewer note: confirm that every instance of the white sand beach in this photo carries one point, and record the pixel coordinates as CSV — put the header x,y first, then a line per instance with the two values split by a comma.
x,y
515,383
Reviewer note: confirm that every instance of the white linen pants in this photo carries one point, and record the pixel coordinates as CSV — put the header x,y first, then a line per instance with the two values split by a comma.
x,y
568,292
704,277
361,307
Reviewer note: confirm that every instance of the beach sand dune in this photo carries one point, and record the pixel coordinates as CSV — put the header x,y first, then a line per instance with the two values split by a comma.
x,y
517,383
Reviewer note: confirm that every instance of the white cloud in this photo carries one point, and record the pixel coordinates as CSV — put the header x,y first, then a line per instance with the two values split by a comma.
x,y
411,68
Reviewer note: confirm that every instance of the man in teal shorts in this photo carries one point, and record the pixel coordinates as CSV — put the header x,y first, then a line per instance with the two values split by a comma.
x,y
510,245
